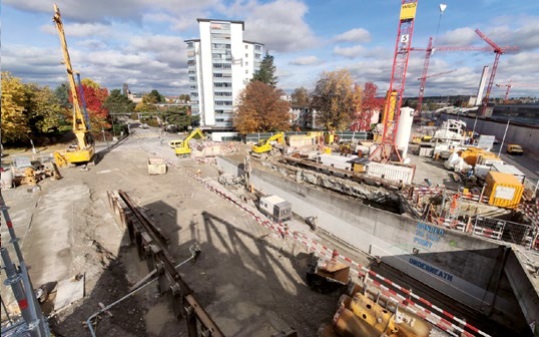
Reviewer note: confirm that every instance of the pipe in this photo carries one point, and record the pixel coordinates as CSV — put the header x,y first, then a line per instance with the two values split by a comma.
x,y
195,252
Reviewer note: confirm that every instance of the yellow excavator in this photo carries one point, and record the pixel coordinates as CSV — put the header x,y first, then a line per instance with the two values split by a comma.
x,y
83,151
182,148
266,145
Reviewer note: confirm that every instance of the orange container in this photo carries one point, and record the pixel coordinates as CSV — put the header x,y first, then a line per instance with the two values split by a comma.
x,y
503,190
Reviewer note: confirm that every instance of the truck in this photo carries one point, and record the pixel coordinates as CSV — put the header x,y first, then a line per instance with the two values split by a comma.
x,y
276,208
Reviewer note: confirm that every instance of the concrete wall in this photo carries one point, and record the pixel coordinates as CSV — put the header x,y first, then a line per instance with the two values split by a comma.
x,y
527,137
460,266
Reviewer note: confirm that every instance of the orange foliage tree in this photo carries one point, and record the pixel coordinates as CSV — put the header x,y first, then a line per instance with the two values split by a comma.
x,y
261,109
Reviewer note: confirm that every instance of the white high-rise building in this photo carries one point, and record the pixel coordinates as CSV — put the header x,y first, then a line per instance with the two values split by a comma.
x,y
220,65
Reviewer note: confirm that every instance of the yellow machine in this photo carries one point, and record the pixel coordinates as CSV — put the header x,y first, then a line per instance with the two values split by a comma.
x,y
266,145
83,151
182,148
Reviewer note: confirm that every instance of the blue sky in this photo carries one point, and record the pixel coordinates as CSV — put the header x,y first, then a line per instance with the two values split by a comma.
x,y
140,42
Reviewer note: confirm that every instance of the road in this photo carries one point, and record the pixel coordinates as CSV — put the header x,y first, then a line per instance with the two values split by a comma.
x,y
527,163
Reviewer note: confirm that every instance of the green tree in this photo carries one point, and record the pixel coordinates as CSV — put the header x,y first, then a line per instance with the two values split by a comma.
x,y
335,100
300,97
62,94
266,73
14,121
145,107
43,109
261,109
116,102
184,97
153,97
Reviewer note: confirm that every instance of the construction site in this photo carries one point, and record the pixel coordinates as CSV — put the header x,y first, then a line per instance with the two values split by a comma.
x,y
420,229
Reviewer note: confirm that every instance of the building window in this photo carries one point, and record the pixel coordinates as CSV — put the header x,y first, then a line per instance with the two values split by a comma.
x,y
258,56
247,71
222,85
220,36
192,72
219,93
192,78
222,65
191,62
258,47
189,44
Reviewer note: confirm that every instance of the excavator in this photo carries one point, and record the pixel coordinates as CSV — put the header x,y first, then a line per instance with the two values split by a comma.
x,y
182,148
266,145
83,150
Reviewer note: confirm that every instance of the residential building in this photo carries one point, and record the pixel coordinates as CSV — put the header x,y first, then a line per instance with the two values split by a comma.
x,y
220,64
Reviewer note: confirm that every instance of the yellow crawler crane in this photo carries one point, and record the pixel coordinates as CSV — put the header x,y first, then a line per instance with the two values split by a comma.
x,y
83,151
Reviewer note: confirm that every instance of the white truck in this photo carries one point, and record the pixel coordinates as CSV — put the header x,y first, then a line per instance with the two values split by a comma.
x,y
276,208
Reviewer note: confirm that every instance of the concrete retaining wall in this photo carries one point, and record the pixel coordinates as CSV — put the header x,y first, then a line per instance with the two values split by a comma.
x,y
460,266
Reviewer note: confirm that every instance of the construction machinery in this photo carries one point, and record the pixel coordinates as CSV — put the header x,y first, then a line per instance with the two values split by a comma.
x,y
266,145
83,150
182,148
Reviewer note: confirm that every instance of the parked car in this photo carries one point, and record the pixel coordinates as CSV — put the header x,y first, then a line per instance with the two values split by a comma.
x,y
514,149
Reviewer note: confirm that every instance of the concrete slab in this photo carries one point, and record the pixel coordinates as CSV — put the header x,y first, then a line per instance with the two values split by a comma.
x,y
68,291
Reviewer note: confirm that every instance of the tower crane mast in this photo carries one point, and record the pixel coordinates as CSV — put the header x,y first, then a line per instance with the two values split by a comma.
x,y
387,149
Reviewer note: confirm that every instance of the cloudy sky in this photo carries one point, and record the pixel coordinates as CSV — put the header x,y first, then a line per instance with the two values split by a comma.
x,y
140,42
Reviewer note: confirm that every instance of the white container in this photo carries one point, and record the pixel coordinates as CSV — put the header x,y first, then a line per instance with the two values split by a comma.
x,y
276,208
157,166
390,172
6,181
506,168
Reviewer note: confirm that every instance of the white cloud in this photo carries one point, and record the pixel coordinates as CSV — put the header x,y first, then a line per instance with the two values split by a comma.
x,y
279,25
359,35
306,60
458,37
80,29
349,52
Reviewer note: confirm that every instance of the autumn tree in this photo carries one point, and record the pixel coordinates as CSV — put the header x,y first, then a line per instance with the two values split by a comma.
x,y
300,97
335,100
184,98
266,72
95,97
361,120
14,121
261,109
43,109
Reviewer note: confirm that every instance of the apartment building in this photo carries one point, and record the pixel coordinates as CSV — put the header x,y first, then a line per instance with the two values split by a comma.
x,y
220,64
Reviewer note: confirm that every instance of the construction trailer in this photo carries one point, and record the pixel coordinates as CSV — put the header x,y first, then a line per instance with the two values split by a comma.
x,y
276,208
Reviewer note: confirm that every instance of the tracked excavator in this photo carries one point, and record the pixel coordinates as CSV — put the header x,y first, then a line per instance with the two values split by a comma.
x,y
182,148
266,145
83,151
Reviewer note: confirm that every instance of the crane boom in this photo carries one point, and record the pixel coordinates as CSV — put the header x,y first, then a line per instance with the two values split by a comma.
x,y
85,143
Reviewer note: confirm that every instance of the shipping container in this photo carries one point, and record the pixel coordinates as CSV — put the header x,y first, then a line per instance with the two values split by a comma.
x,y
510,169
503,189
276,208
300,140
397,173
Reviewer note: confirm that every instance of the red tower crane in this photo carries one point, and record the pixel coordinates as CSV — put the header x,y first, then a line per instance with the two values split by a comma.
x,y
510,84
498,51
428,53
405,31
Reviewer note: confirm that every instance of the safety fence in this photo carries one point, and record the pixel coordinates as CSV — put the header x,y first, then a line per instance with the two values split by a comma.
x,y
526,235
439,317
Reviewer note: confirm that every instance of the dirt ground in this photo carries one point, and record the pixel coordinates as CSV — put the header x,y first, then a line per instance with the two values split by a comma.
x,y
249,280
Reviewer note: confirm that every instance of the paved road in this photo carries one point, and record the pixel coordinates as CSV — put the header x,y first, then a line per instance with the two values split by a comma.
x,y
527,163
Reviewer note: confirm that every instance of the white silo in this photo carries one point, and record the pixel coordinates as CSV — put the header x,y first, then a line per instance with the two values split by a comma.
x,y
404,130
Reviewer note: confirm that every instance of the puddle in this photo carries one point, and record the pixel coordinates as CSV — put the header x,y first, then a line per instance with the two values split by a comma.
x,y
156,317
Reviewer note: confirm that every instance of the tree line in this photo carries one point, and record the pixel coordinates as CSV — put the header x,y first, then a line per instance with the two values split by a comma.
x,y
34,112
339,102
